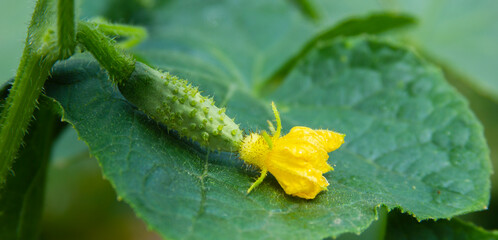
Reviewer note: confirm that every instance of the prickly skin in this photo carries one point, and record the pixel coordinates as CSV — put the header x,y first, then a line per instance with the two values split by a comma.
x,y
181,107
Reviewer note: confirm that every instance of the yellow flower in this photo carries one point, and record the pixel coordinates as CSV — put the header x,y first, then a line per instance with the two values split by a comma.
x,y
297,160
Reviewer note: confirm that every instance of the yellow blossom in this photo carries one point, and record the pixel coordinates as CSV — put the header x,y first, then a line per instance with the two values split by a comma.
x,y
297,160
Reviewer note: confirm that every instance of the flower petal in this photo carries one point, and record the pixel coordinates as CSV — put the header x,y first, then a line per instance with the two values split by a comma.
x,y
300,151
332,140
304,183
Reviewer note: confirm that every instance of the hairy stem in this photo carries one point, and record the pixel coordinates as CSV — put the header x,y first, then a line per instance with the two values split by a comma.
x,y
22,100
134,35
33,69
118,64
66,28
40,53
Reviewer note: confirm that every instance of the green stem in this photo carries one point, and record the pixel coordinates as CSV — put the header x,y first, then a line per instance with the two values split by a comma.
x,y
119,64
66,28
31,75
21,102
40,53
134,34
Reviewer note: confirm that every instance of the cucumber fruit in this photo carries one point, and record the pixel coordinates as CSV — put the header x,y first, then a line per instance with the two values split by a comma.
x,y
180,106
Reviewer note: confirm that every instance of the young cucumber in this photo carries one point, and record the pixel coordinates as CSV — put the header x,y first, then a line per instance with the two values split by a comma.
x,y
181,107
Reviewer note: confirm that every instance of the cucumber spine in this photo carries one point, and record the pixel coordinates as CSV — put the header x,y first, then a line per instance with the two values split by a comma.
x,y
180,106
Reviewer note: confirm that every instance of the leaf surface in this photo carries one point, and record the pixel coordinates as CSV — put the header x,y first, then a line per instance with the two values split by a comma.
x,y
411,143
461,35
401,226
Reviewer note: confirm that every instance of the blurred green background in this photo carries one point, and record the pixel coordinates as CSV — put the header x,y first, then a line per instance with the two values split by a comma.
x,y
14,19
79,204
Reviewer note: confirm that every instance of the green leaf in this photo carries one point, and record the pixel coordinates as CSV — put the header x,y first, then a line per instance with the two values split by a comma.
x,y
460,34
486,111
245,41
410,131
370,24
411,143
250,42
376,230
21,199
402,226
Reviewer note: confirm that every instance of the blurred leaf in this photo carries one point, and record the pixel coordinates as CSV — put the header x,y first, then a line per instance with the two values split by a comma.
x,y
412,143
371,24
306,8
248,49
21,199
404,227
459,34
245,41
462,35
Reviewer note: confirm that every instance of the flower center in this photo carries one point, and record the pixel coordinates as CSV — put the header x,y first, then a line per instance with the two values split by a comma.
x,y
254,149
